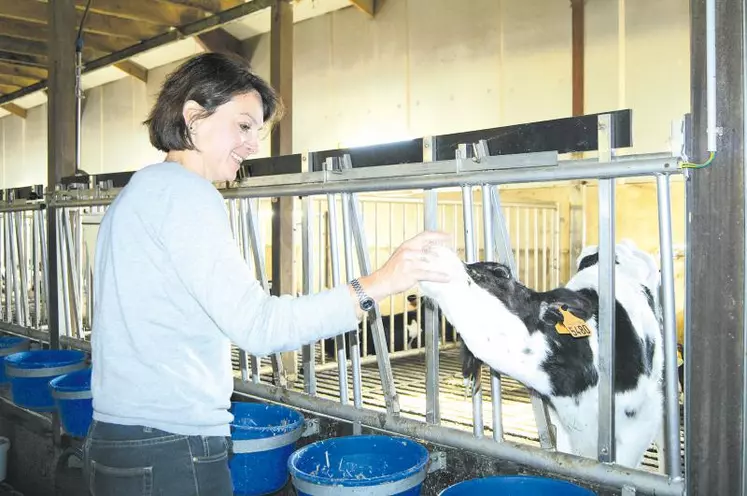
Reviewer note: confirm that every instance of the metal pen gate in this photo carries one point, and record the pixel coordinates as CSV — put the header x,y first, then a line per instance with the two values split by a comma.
x,y
339,178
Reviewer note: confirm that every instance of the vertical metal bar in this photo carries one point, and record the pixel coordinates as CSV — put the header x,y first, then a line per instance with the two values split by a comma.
x,y
35,265
506,256
74,273
238,226
544,250
252,219
672,404
470,257
431,324
63,288
535,248
8,268
337,279
23,301
606,329
353,336
307,256
43,220
17,264
391,297
495,378
377,329
526,245
79,272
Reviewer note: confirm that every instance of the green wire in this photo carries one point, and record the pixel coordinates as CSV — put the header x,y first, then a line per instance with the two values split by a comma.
x,y
690,165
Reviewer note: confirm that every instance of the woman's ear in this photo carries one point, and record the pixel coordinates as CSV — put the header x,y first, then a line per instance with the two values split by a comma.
x,y
191,113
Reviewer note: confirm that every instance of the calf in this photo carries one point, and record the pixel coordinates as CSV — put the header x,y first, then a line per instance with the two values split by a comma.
x,y
515,331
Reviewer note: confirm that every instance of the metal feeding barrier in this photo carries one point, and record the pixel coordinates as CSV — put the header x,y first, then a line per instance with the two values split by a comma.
x,y
431,165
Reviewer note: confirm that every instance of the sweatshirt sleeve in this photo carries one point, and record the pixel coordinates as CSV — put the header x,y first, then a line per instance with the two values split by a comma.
x,y
198,240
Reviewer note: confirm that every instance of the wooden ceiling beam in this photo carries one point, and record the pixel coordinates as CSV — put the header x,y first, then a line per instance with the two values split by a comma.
x,y
36,12
219,40
8,88
15,110
17,80
29,60
133,69
36,32
25,47
367,6
212,6
24,71
153,11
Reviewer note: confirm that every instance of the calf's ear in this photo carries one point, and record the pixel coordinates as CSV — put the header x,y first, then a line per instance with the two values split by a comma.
x,y
567,300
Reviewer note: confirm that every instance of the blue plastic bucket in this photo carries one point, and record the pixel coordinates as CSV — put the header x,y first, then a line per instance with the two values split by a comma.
x,y
370,465
30,372
10,345
515,485
263,438
72,395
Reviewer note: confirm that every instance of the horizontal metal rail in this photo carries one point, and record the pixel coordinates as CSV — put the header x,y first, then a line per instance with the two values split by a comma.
x,y
551,461
43,336
444,174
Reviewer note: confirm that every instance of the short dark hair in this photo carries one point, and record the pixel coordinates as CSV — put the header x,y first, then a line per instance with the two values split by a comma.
x,y
210,79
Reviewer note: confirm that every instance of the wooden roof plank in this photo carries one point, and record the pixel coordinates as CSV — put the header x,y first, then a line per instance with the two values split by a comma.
x,y
15,110
36,12
219,40
153,11
22,59
133,69
21,70
17,80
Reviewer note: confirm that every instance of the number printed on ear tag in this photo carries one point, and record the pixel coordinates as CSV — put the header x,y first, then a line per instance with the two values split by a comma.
x,y
575,326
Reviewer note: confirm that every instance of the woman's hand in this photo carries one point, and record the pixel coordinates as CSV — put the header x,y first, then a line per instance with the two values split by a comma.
x,y
410,263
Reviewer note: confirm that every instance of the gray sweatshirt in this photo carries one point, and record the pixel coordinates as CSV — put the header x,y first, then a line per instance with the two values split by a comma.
x,y
171,292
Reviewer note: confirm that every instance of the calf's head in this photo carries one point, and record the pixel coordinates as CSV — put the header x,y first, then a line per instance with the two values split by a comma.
x,y
489,289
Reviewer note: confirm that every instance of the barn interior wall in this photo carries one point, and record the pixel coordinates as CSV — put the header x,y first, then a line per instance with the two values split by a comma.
x,y
425,67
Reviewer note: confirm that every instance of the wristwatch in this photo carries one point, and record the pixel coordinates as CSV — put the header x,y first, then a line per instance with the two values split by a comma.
x,y
366,302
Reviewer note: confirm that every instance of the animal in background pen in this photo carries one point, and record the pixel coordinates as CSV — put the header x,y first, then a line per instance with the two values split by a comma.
x,y
548,342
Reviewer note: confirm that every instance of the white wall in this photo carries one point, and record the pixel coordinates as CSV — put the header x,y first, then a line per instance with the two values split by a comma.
x,y
420,67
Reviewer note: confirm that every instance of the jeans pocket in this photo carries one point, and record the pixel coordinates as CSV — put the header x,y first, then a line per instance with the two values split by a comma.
x,y
211,468
115,481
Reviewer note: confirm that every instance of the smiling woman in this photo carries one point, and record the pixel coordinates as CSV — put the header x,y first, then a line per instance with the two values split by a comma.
x,y
209,114
173,291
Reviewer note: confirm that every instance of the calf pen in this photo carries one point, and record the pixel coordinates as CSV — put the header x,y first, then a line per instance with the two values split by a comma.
x,y
387,392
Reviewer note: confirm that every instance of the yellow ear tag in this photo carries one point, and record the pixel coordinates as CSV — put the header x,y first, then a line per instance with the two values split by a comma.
x,y
572,325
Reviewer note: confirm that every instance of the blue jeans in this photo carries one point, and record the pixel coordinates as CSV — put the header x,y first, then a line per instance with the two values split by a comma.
x,y
124,460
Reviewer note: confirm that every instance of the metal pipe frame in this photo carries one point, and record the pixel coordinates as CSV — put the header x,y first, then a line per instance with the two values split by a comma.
x,y
325,182
331,183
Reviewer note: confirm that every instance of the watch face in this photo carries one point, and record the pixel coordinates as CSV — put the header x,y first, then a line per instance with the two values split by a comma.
x,y
367,304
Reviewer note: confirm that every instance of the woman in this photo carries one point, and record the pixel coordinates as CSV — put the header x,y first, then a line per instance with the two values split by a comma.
x,y
172,292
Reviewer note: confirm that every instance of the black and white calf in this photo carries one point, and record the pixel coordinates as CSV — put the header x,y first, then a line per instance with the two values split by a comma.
x,y
512,329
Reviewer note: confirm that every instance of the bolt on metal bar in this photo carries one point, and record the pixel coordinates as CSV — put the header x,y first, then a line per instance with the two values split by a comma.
x,y
334,242
671,382
606,329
